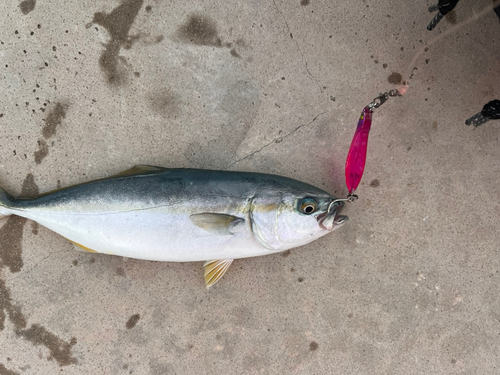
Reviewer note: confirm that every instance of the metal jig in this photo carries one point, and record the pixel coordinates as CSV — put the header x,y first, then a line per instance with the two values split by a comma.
x,y
356,157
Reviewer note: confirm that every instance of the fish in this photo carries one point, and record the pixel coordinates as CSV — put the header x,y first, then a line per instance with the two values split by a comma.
x,y
184,215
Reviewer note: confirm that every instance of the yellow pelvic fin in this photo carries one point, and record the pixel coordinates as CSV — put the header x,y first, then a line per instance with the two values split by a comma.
x,y
215,269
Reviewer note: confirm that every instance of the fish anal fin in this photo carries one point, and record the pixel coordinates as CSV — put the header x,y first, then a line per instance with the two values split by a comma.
x,y
220,224
82,248
215,269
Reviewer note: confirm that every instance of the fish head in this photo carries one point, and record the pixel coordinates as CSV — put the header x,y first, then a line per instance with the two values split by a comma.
x,y
292,219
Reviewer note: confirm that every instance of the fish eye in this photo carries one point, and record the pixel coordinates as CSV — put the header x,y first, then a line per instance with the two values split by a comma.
x,y
308,206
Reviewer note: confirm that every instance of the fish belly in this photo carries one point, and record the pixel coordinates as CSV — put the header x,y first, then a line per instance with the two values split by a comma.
x,y
149,234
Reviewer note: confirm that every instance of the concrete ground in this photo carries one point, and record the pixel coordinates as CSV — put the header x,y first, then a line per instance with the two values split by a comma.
x,y
409,286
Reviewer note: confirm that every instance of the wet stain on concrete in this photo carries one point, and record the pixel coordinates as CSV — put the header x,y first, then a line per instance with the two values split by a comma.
x,y
235,54
285,254
132,321
238,111
11,233
305,2
10,239
118,24
451,17
60,350
29,188
7,308
75,263
27,6
157,368
395,78
53,120
375,183
42,152
163,102
434,125
120,271
201,30
5,371
34,227
313,346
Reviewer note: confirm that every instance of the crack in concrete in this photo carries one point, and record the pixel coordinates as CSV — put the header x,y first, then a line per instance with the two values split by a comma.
x,y
275,140
38,263
300,51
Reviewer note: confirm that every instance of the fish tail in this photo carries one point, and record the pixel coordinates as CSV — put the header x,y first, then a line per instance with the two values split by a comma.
x,y
5,203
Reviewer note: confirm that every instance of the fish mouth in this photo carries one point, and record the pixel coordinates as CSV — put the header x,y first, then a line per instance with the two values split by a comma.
x,y
332,219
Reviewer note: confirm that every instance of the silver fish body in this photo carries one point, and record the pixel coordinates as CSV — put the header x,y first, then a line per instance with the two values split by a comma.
x,y
184,214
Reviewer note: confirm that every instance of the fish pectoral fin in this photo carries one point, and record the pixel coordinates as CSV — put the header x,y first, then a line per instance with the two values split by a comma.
x,y
215,269
220,224
82,248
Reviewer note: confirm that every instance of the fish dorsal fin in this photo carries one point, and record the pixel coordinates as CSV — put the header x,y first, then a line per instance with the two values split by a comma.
x,y
215,269
220,224
138,169
135,170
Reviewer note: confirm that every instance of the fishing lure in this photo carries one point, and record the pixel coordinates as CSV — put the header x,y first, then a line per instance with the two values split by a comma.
x,y
356,157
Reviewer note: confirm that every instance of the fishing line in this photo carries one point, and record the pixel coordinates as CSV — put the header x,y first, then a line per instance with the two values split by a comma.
x,y
474,17
356,157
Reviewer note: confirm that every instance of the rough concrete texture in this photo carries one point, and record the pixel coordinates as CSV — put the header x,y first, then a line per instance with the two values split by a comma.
x,y
410,285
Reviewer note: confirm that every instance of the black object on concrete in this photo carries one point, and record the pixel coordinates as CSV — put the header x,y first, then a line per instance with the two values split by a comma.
x,y
491,111
443,7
